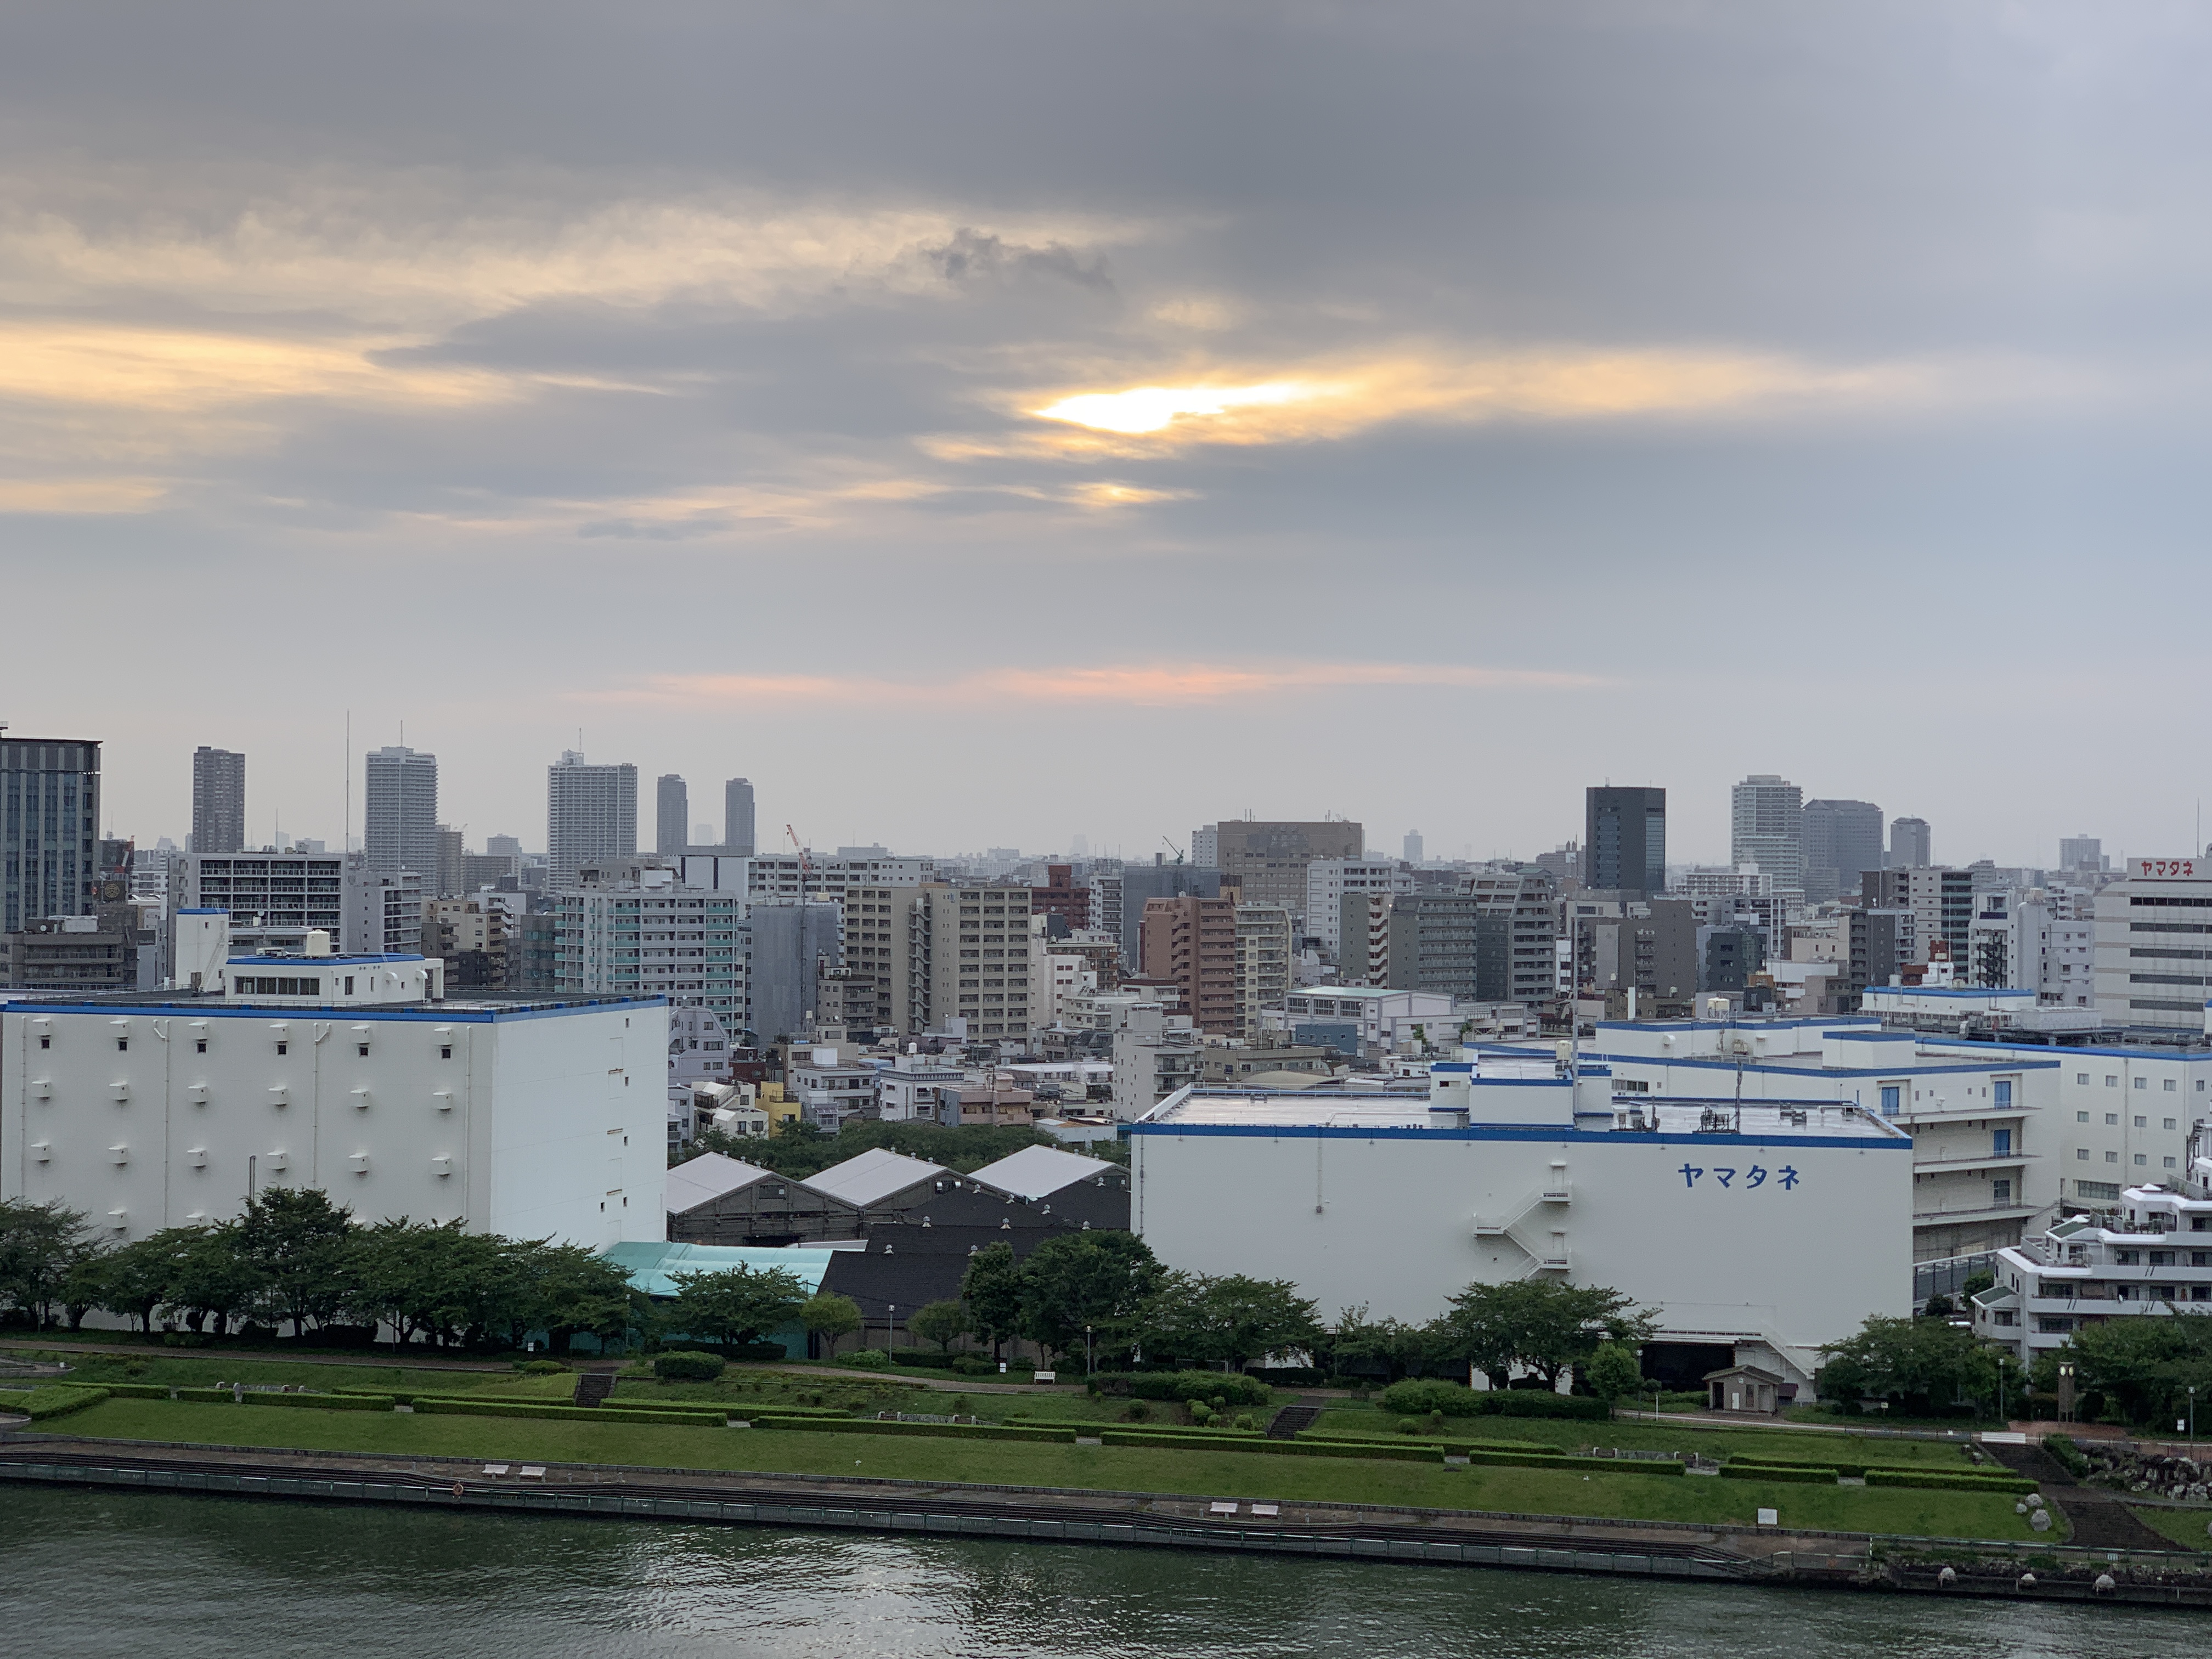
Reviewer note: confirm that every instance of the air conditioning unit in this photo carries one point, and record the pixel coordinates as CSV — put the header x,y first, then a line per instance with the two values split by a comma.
x,y
442,1099
358,1163
277,1160
42,1088
118,1090
196,1157
280,1093
119,1154
442,1166
360,1099
197,1093
42,1151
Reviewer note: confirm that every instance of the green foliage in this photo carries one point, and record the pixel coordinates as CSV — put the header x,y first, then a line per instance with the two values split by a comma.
x,y
1231,1319
328,1402
541,1368
466,1407
2142,1366
58,1400
1925,1365
1098,1279
992,1288
738,1305
1941,1481
829,1316
1740,1471
1230,1388
867,1359
1363,1345
1613,1372
2062,1447
1544,1327
687,1366
40,1244
1425,1396
941,1323
1421,1396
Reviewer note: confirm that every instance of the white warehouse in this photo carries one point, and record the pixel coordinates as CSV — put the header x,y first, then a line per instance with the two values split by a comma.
x,y
1768,1231
532,1119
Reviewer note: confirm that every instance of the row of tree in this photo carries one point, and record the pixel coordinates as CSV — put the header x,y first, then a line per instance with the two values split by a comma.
x,y
294,1258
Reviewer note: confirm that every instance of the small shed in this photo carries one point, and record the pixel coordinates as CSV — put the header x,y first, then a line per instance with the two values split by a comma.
x,y
1747,1389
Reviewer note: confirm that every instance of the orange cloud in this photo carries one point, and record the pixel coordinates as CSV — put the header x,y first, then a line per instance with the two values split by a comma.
x,y
1141,684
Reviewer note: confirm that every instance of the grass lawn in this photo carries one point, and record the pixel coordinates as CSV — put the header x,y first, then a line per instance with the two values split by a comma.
x,y
1208,1474
203,1370
1576,1436
2186,1528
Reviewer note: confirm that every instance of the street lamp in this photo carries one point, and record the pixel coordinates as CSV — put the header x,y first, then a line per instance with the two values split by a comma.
x,y
1089,1353
890,1323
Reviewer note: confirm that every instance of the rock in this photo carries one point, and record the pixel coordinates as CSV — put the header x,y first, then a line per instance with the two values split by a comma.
x,y
2035,1500
2027,1581
2040,1520
2105,1584
1948,1578
2020,1508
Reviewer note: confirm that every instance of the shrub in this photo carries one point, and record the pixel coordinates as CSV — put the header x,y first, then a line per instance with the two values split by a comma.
x,y
463,1408
1407,1425
972,1364
1138,1411
58,1400
1230,1388
1244,1420
1420,1396
540,1367
914,1430
1810,1477
866,1359
2062,1447
1939,1480
1528,1402
686,1365
1201,1413
138,1390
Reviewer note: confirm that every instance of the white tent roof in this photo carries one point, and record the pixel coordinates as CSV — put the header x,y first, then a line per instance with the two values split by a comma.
x,y
710,1176
873,1176
1038,1171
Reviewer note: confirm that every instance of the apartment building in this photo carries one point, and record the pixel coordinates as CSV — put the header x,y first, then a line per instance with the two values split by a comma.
x,y
218,800
1193,942
1625,840
1767,829
1264,935
591,815
633,930
1328,883
399,819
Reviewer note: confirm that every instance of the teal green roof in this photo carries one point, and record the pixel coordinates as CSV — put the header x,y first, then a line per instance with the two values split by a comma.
x,y
652,1267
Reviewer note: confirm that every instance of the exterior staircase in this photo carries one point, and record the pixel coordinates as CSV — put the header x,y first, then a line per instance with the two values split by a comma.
x,y
1288,1421
593,1388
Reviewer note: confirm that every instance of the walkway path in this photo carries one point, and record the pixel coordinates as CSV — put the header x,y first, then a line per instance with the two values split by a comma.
x,y
2100,1521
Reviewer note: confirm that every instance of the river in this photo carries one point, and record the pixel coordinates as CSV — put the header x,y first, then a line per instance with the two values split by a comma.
x,y
98,1573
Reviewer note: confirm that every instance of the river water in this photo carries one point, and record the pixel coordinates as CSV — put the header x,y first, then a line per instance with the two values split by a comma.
x,y
85,1573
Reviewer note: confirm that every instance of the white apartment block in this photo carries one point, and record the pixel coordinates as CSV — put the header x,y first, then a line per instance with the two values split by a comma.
x,y
2154,943
649,936
1327,880
2154,1258
346,1073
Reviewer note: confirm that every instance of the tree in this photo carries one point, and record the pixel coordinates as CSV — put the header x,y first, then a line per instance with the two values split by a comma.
x,y
581,1294
209,1279
1361,1344
829,1316
1098,1279
1613,1372
737,1306
1926,1365
134,1280
39,1245
992,1288
1547,1327
301,1243
1229,1320
942,1324
2144,1364
1938,1306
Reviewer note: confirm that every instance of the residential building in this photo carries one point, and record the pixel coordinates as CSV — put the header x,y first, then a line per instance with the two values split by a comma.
x,y
383,916
1625,840
1501,1169
97,952
1648,948
49,828
1356,1019
1156,1052
1767,829
591,815
1329,881
1123,896
1516,935
532,950
1841,840
1722,881
831,1090
1266,860
353,1075
631,929
1264,937
2155,944
1415,848
273,901
218,801
1728,957
1206,846
1942,902
1910,844
449,876
470,937
1062,897
399,822
672,814
1430,944
1878,944
2082,853
737,837
1193,942
918,1088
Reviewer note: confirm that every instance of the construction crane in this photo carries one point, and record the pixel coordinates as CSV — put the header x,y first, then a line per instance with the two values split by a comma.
x,y
1172,847
798,929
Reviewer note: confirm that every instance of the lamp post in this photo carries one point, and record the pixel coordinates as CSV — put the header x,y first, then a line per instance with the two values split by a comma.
x,y
1090,1353
890,1324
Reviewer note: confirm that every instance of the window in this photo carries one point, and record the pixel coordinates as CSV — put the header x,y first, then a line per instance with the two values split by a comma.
x,y
122,1042
2004,1091
2000,1192
2142,1083
2168,1122
2111,1117
2141,1159
2142,1123
2082,1078
2001,1140
2080,1117
1890,1091
284,1048
361,1048
2096,1189
445,1051
2081,1153
2111,1157
46,1042
2169,1085
2169,1164
2111,1080
200,1047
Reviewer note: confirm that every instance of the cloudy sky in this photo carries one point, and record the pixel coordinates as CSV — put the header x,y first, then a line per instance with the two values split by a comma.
x,y
994,423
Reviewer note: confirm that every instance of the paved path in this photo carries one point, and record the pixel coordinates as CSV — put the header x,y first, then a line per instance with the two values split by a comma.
x,y
2099,1519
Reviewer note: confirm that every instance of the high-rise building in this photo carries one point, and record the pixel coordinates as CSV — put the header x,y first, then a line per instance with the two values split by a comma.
x,y
1266,861
503,847
702,834
1911,845
1767,829
399,824
1265,939
1121,899
1192,941
1625,840
1416,848
450,878
1842,840
738,837
590,813
672,811
49,829
2083,852
218,800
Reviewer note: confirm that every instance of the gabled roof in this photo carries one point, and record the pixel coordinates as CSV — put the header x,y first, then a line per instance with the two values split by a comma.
x,y
708,1177
875,1174
1039,1171
652,1267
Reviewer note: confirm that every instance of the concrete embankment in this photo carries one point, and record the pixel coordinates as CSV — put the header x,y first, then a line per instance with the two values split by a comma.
x,y
1430,1537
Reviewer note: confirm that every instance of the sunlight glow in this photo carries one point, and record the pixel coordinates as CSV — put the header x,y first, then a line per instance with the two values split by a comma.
x,y
1150,408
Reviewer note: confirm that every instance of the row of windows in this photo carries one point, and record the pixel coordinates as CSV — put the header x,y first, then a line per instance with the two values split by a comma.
x,y
2141,1159
2170,1085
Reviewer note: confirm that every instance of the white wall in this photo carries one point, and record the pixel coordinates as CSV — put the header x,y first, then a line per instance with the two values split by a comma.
x,y
532,1109
1389,1219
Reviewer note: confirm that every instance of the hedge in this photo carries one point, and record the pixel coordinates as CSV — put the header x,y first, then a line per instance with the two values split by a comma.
x,y
1234,1387
58,1400
327,1402
1802,1473
1936,1480
136,1390
1456,1444
1419,1396
924,1430
601,1413
685,1366
1402,1454
1398,1451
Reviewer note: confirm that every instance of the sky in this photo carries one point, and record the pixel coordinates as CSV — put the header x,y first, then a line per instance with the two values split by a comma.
x,y
989,424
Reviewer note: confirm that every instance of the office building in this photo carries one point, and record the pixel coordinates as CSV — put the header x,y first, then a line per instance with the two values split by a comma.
x,y
1122,898
503,847
737,837
2154,960
591,814
1415,848
1328,883
1625,841
399,821
353,1075
218,801
2082,853
49,828
672,811
1910,844
1842,839
450,876
1267,862
1503,1170
1767,829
